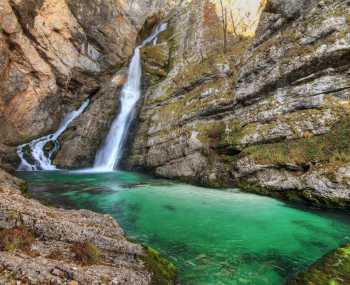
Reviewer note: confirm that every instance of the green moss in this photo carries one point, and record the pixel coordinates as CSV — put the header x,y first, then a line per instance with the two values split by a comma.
x,y
155,62
157,54
332,269
189,75
190,106
210,132
24,188
49,147
331,148
163,272
233,134
167,35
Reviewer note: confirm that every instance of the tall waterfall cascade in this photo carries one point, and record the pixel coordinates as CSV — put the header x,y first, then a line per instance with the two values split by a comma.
x,y
34,155
109,155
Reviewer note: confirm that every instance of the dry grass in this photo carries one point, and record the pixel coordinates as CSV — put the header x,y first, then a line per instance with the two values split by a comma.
x,y
86,253
18,238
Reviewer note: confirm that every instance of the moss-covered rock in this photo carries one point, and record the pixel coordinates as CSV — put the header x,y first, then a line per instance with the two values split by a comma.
x,y
49,147
331,148
163,272
155,62
333,269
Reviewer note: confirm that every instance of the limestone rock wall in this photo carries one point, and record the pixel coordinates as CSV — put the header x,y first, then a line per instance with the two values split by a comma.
x,y
269,114
55,54
177,108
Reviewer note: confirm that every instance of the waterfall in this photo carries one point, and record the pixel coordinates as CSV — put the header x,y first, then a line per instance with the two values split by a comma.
x,y
41,159
109,155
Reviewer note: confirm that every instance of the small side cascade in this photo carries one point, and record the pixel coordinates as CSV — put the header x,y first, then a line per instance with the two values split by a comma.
x,y
41,158
108,157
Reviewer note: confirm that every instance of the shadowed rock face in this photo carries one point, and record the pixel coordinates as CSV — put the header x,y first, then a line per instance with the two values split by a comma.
x,y
289,9
270,114
80,142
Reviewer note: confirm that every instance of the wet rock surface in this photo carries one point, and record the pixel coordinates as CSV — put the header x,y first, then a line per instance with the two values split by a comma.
x,y
80,142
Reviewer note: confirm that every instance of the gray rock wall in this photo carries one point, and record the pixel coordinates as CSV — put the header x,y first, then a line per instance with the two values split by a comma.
x,y
270,114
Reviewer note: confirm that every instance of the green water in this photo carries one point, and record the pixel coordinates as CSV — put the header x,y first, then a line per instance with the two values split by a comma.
x,y
214,237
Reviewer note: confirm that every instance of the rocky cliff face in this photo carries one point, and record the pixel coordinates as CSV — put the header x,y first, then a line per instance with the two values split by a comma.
x,y
191,81
55,54
82,140
269,114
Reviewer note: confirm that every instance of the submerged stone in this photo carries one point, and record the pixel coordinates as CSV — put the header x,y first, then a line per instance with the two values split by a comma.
x,y
333,269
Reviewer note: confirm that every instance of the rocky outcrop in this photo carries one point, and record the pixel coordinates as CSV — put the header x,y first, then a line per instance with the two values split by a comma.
x,y
269,114
292,93
334,268
42,245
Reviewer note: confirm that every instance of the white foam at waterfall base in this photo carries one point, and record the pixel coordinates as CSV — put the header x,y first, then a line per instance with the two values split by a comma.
x,y
43,160
110,153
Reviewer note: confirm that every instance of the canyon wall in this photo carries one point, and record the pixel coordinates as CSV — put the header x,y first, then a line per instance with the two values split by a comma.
x,y
269,114
55,54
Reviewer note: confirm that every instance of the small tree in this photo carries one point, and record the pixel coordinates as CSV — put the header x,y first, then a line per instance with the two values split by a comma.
x,y
224,23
